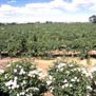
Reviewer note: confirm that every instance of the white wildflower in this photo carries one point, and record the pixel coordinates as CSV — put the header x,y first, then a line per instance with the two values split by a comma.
x,y
48,82
61,69
15,70
61,65
73,80
33,89
12,84
78,80
33,73
18,94
1,71
9,83
65,81
62,86
79,69
66,85
30,94
42,75
75,69
24,82
22,93
70,85
50,77
22,72
89,87
71,65
15,78
67,72
17,65
5,76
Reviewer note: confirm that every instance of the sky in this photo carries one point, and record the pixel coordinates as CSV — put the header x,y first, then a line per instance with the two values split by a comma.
x,y
23,11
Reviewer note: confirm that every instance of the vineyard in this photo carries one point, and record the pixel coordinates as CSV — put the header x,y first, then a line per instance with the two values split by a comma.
x,y
40,39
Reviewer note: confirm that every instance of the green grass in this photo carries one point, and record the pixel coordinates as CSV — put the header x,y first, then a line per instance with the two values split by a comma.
x,y
36,39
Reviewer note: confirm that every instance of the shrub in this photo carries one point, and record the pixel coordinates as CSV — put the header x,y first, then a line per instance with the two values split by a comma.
x,y
22,79
68,80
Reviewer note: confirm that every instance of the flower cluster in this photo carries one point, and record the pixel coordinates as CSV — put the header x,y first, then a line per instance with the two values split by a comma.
x,y
23,79
68,79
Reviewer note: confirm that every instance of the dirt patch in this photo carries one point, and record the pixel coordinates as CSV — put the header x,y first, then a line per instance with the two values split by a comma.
x,y
43,64
5,61
48,94
46,64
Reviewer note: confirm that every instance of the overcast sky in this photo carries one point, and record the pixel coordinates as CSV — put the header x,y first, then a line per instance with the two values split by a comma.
x,y
23,11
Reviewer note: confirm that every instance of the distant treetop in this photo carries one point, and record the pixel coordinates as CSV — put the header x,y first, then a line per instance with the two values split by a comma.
x,y
92,19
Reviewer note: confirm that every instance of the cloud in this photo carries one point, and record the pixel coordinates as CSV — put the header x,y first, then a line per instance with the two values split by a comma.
x,y
55,10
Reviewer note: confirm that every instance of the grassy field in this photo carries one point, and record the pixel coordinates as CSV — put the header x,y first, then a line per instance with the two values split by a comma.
x,y
40,39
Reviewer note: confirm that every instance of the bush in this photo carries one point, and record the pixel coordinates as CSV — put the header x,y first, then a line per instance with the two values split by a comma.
x,y
22,79
68,80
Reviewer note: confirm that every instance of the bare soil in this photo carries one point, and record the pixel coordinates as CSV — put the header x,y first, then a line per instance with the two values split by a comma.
x,y
46,64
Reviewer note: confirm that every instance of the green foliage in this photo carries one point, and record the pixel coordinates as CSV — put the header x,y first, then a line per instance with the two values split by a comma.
x,y
36,39
68,80
93,84
22,79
